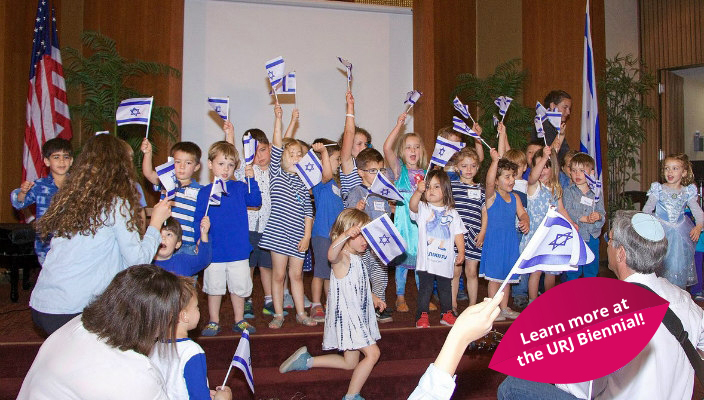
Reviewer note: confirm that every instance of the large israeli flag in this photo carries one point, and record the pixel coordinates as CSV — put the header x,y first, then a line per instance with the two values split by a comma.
x,y
590,142
243,359
167,177
310,170
134,111
384,188
384,239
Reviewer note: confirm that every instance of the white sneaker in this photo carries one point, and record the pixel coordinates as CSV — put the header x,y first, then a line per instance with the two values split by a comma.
x,y
508,313
306,302
288,300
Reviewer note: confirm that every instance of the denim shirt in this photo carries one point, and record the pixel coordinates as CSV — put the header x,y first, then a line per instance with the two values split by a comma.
x,y
40,194
571,198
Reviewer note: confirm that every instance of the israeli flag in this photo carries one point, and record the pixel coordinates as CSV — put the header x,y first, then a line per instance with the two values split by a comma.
x,y
555,118
275,70
384,239
219,188
590,140
503,102
167,177
243,359
310,170
460,126
348,66
555,246
540,110
384,188
134,111
250,147
220,105
461,108
540,117
288,84
412,97
444,150
595,186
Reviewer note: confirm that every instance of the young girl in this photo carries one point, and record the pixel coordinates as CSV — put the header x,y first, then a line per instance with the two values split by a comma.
x,y
350,324
469,200
440,229
669,201
500,250
354,140
287,233
328,205
543,191
410,170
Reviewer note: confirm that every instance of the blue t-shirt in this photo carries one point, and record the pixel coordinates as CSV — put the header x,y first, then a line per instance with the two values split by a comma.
x,y
186,264
328,205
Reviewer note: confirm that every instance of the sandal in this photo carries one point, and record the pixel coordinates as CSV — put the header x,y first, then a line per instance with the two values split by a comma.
x,y
401,306
304,319
277,322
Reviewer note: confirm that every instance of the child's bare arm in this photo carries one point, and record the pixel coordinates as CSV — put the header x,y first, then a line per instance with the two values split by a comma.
x,y
523,218
503,145
478,143
335,249
290,132
491,175
324,161
229,132
147,165
389,150
538,168
305,241
415,199
459,243
276,137
479,241
348,137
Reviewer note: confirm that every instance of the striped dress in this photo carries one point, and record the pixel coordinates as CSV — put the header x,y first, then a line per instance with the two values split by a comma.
x,y
290,205
469,200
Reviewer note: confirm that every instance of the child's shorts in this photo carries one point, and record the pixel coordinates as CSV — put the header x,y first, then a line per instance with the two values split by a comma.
x,y
321,245
258,257
233,275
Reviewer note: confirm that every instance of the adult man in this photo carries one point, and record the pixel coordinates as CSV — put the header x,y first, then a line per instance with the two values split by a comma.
x,y
662,370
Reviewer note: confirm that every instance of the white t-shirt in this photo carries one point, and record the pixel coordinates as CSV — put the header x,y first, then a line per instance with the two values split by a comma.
x,y
75,364
437,228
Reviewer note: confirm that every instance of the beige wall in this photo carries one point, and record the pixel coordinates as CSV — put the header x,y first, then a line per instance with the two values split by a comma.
x,y
693,117
499,34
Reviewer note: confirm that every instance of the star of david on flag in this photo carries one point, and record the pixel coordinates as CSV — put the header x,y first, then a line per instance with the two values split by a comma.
x,y
555,118
275,70
250,147
412,97
595,186
461,108
310,170
348,66
220,105
384,239
243,359
444,150
460,126
503,102
288,84
134,111
384,188
216,192
167,177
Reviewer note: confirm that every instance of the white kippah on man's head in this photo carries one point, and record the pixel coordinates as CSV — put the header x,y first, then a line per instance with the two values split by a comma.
x,y
648,227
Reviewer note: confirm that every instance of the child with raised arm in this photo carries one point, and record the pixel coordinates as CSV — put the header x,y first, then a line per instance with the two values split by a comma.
x,y
440,229
406,157
186,157
288,231
183,264
229,269
354,140
328,205
350,325
57,156
500,249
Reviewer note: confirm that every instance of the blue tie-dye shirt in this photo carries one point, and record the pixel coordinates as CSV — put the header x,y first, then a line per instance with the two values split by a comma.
x,y
40,194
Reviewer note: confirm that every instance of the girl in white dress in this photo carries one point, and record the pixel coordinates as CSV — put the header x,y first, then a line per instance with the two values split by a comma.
x,y
350,323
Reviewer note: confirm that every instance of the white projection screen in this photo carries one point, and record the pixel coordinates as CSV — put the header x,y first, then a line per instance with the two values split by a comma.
x,y
227,42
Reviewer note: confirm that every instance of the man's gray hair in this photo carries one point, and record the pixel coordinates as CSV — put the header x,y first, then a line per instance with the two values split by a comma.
x,y
642,255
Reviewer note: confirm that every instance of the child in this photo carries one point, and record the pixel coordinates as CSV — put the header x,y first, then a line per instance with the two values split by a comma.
x,y
350,326
370,163
470,200
520,185
184,370
565,174
229,237
410,170
543,192
57,157
354,140
669,200
186,157
328,205
589,216
183,264
500,249
288,231
532,148
440,229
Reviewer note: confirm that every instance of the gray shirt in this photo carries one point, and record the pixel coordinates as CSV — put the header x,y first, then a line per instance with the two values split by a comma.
x,y
576,205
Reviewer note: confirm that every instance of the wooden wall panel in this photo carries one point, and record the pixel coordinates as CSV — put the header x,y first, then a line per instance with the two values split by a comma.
x,y
671,36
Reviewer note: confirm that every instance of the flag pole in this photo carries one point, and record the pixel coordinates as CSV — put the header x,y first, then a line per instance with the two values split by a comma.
x,y
343,241
485,143
409,107
227,375
149,120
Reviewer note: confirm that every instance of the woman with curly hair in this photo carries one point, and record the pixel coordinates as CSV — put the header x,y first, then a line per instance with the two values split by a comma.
x,y
94,223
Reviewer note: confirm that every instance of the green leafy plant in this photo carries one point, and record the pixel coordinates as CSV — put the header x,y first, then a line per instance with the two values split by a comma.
x,y
625,84
507,80
101,74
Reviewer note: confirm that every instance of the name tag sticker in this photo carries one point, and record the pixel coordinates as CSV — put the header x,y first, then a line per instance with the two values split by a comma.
x,y
191,193
336,190
587,201
379,206
474,194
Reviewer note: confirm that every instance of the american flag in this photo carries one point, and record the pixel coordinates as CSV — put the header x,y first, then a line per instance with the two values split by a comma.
x,y
47,107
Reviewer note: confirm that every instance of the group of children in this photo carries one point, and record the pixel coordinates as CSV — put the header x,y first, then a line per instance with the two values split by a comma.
x,y
452,224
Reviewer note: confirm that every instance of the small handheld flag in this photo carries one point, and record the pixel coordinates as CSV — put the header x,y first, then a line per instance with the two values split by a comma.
x,y
275,71
444,150
555,246
310,170
540,117
288,84
384,188
411,98
595,186
135,111
460,126
167,177
462,109
250,147
242,360
495,120
348,66
503,102
384,239
218,189
555,118
220,105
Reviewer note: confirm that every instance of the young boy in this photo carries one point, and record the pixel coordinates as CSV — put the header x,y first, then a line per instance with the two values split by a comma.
x,y
184,370
57,156
369,163
585,212
565,174
229,237
532,147
182,264
186,157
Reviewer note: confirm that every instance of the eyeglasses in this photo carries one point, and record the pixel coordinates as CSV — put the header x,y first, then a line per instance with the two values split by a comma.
x,y
373,171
